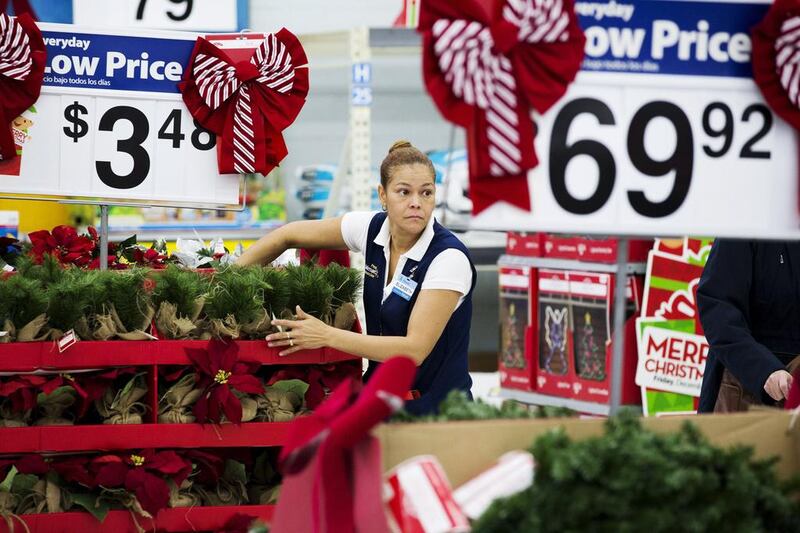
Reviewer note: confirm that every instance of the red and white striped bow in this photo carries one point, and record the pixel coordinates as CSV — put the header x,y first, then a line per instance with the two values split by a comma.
x,y
249,103
22,59
485,73
776,60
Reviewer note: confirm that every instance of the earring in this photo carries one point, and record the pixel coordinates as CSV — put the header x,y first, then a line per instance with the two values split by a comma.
x,y
383,206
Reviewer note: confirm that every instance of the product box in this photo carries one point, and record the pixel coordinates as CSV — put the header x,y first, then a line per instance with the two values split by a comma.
x,y
514,363
591,301
550,342
560,246
524,244
604,250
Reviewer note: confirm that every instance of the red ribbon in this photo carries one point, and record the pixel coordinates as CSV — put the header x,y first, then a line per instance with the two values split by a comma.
x,y
775,64
331,463
485,71
22,61
248,104
21,7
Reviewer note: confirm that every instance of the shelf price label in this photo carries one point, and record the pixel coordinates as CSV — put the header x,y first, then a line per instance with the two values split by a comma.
x,y
662,133
197,15
111,125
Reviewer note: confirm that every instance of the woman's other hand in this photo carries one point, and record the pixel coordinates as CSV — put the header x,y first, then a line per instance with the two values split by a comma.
x,y
778,384
304,333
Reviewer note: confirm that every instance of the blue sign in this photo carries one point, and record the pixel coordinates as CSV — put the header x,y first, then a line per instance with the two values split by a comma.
x,y
669,37
124,63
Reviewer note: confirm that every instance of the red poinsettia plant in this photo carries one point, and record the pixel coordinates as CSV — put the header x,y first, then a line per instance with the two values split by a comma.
x,y
64,243
219,372
145,474
321,379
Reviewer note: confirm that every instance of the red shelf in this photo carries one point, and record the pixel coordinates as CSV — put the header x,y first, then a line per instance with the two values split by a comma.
x,y
134,436
30,356
172,520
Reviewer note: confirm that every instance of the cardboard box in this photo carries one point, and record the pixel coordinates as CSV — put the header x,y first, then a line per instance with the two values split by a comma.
x,y
560,246
465,449
550,342
514,363
524,244
604,250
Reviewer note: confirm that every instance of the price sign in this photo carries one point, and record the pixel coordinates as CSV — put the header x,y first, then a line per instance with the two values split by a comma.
x,y
663,132
197,15
110,125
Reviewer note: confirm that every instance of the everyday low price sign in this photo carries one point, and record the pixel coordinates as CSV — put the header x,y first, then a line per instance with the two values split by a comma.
x,y
663,131
111,125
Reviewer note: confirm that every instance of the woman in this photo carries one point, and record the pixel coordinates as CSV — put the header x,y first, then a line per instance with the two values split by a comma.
x,y
749,303
418,281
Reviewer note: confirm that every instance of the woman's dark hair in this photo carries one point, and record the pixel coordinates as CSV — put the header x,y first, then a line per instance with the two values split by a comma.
x,y
403,153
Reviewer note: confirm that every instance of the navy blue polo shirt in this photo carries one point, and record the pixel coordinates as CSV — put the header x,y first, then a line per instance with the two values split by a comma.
x,y
446,367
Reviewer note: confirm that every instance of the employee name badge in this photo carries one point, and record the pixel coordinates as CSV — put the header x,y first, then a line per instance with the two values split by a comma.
x,y
404,287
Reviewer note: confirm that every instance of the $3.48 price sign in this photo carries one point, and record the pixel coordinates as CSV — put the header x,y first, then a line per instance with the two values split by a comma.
x,y
133,145
138,149
640,160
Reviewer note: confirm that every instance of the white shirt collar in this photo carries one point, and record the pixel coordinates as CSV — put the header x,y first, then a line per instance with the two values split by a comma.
x,y
416,252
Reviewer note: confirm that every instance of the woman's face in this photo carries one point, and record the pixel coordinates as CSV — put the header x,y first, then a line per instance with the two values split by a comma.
x,y
409,197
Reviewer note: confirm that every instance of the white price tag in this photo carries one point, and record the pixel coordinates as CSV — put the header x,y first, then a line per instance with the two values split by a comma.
x,y
662,136
111,124
198,15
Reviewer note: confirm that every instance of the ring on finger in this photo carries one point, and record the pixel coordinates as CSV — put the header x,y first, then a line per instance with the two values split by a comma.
x,y
291,342
288,335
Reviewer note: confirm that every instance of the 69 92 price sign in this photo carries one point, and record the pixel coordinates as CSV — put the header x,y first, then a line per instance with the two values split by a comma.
x,y
709,159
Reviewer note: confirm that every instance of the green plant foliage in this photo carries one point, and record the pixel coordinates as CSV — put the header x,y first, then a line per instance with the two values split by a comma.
x,y
310,290
346,283
49,271
68,301
96,286
458,407
130,299
631,480
181,288
21,300
234,291
275,283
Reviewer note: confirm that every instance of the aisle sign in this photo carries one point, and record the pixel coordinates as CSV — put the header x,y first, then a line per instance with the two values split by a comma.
x,y
195,15
663,132
110,124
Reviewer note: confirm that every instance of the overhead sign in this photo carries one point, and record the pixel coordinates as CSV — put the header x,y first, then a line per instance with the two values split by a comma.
x,y
663,132
194,15
110,125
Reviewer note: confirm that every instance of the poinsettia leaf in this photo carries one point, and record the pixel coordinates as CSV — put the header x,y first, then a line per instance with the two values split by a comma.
x,y
235,472
292,385
130,241
97,506
171,464
32,464
231,405
200,408
112,475
151,490
244,383
5,486
23,483
42,396
200,359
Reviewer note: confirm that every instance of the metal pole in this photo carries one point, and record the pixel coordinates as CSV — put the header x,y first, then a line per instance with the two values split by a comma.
x,y
620,301
446,178
103,237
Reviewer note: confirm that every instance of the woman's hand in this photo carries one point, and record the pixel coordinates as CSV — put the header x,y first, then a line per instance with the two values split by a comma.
x,y
305,333
778,384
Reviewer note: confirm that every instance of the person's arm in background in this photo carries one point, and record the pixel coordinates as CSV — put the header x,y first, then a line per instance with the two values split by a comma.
x,y
723,300
311,234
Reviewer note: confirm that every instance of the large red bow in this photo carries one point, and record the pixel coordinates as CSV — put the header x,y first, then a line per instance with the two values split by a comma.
x,y
331,464
776,65
485,71
22,60
248,104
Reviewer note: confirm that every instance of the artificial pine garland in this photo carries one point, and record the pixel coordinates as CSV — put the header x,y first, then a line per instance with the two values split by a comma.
x,y
311,290
632,479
